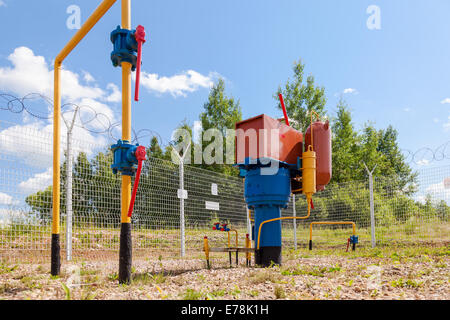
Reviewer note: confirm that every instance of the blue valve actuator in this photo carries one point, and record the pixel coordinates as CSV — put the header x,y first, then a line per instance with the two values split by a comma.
x,y
125,47
354,239
125,160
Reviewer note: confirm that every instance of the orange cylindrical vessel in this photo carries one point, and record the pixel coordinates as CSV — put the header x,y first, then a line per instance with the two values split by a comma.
x,y
322,146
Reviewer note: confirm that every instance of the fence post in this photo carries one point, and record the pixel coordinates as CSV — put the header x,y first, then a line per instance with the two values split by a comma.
x,y
182,194
69,168
183,240
294,221
372,209
69,197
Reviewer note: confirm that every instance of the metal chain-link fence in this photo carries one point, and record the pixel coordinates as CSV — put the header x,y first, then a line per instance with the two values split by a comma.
x,y
402,212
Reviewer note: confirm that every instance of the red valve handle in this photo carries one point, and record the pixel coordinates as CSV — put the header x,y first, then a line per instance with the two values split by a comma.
x,y
140,156
286,119
140,38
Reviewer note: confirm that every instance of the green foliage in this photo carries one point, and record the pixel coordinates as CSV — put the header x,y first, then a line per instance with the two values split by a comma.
x,y
300,97
67,292
191,294
279,292
220,112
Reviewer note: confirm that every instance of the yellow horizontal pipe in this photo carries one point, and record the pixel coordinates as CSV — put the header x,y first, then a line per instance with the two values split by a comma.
x,y
84,30
331,222
283,218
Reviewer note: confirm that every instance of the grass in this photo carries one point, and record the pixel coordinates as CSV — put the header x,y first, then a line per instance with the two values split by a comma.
x,y
264,276
191,294
312,271
409,283
148,278
279,292
4,268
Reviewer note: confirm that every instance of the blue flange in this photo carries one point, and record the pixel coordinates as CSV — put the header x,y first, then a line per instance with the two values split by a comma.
x,y
125,160
354,239
125,47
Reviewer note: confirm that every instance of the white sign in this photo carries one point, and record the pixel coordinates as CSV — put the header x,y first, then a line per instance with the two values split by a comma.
x,y
214,190
212,205
182,194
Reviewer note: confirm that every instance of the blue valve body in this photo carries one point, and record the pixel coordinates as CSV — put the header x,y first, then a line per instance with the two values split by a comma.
x,y
125,47
125,160
354,239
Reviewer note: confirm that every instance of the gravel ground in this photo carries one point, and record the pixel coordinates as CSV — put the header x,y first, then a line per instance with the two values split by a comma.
x,y
388,273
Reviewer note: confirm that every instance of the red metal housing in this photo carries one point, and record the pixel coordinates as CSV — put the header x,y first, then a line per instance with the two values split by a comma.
x,y
263,136
322,147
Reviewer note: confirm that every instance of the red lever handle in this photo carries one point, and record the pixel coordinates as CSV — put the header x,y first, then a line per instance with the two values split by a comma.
x,y
140,156
286,119
140,38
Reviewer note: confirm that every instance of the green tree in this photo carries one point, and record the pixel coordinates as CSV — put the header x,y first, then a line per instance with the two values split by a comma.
x,y
345,143
300,97
221,112
395,165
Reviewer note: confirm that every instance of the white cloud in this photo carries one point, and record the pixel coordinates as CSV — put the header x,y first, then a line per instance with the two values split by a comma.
x,y
116,94
423,162
6,199
37,183
446,100
350,91
439,191
2,3
177,85
33,142
30,73
447,125
88,77
407,109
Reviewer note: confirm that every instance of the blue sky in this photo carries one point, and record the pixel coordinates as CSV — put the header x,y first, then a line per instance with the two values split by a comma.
x,y
397,75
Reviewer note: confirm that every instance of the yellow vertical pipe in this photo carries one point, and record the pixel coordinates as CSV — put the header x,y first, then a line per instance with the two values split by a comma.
x,y
56,151
126,114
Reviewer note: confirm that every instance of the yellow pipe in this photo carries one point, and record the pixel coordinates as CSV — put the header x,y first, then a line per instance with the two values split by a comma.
x,y
248,245
250,215
331,222
126,114
229,238
56,151
283,218
84,30
206,247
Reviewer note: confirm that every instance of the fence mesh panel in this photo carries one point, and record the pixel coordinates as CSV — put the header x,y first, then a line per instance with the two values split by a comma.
x,y
415,213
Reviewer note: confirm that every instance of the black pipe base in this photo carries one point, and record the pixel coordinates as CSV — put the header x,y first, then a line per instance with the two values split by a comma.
x,y
310,244
268,256
125,254
353,246
56,256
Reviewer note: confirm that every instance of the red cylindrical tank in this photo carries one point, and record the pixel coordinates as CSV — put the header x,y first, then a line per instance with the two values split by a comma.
x,y
322,147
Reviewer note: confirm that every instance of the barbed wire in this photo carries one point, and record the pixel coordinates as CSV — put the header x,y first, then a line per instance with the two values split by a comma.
x,y
95,122
427,155
40,107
